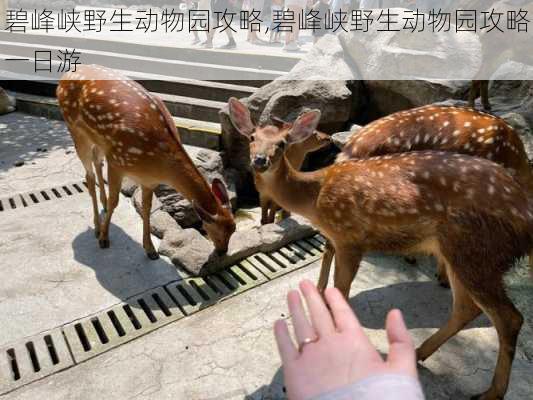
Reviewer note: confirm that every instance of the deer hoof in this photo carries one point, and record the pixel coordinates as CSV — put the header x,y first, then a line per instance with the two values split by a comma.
x,y
104,243
410,260
443,281
152,255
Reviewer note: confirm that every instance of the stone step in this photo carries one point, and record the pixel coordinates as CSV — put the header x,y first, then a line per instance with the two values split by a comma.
x,y
206,90
193,132
230,58
135,63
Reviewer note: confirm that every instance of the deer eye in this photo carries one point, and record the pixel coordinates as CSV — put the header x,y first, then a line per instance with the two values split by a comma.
x,y
282,145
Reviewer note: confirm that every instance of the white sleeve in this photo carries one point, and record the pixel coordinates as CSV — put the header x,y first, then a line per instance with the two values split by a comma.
x,y
382,387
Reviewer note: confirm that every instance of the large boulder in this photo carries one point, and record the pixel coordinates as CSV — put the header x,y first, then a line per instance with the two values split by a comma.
x,y
403,70
7,102
322,79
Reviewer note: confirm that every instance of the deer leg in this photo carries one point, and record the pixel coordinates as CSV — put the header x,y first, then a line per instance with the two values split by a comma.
x,y
464,310
507,320
474,90
101,183
347,260
327,259
148,246
484,88
91,186
265,209
114,181
442,275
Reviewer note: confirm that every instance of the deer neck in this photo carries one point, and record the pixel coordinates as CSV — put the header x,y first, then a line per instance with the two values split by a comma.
x,y
293,190
188,181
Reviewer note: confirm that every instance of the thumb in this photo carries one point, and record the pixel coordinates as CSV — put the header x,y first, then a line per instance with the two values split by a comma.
x,y
401,349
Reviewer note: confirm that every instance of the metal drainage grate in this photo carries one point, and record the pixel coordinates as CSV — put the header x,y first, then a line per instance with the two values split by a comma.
x,y
288,258
120,324
32,359
47,353
23,200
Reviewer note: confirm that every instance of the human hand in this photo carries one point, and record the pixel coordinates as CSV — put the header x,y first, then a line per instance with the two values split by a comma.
x,y
338,352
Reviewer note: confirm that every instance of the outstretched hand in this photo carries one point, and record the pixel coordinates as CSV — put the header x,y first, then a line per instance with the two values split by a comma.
x,y
333,350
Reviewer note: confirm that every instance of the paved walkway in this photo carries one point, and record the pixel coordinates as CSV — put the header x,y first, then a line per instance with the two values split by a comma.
x,y
53,272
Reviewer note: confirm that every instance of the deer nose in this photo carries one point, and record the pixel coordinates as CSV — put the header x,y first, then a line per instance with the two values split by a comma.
x,y
260,162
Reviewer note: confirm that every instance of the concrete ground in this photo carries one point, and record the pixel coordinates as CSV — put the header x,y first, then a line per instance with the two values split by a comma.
x,y
228,351
53,272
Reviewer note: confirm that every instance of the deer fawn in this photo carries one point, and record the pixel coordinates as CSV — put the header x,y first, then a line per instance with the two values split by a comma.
x,y
468,212
296,155
111,116
442,128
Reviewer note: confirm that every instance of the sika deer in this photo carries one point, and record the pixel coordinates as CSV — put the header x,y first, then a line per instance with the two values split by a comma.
x,y
442,128
468,212
295,154
111,116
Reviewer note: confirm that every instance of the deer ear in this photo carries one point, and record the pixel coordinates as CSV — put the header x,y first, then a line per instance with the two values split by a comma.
x,y
203,214
304,126
220,192
240,117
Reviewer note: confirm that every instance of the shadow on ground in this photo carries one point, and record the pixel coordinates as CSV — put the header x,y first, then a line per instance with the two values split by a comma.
x,y
26,138
123,269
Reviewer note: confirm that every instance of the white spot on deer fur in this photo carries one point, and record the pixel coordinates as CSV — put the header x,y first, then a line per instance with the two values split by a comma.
x,y
491,190
468,124
426,175
446,123
153,106
338,214
135,150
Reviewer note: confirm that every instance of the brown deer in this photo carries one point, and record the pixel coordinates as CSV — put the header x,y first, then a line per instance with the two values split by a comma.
x,y
296,155
111,116
468,212
442,128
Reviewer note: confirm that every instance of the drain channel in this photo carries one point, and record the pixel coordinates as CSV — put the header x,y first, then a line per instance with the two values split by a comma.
x,y
23,200
32,359
120,324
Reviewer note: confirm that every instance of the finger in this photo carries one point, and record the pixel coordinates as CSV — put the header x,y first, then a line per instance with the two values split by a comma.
x,y
286,347
343,315
401,348
320,315
302,328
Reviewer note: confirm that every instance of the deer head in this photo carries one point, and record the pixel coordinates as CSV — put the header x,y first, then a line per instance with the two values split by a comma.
x,y
269,142
220,226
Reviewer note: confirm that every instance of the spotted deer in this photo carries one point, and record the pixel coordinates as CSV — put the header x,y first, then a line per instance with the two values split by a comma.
x,y
296,155
468,212
443,128
110,116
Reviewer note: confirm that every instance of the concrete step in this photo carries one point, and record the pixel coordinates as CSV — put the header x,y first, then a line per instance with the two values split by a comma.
x,y
135,63
188,88
194,132
179,106
231,58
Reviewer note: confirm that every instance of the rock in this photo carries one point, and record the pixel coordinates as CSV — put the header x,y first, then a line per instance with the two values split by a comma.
x,y
160,222
128,186
187,249
7,102
443,61
396,55
190,250
524,129
308,85
341,138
